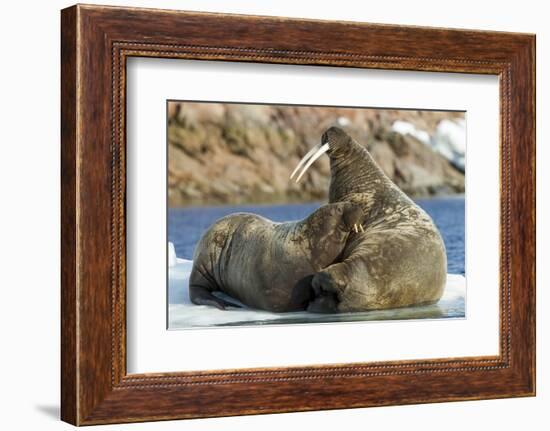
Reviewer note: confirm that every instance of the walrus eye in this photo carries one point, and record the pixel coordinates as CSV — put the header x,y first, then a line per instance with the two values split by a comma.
x,y
312,155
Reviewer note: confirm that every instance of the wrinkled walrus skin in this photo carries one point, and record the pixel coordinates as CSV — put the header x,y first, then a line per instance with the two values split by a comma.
x,y
400,259
269,265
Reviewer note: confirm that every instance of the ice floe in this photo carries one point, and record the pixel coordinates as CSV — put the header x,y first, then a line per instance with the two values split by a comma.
x,y
184,314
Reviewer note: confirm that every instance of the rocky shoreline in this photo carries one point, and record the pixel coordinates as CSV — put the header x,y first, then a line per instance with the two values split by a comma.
x,y
240,153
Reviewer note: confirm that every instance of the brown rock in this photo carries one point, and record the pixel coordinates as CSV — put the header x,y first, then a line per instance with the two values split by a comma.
x,y
233,153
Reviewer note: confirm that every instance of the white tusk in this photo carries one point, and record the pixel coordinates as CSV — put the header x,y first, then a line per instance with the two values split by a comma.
x,y
355,228
361,228
318,154
305,159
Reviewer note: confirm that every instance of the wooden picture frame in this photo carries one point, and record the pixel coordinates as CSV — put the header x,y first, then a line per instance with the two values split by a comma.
x,y
96,41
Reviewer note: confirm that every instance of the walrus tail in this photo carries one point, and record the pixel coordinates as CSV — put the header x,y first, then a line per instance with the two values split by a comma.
x,y
200,295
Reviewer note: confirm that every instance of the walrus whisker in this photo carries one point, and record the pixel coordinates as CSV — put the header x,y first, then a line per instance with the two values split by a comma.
x,y
305,159
318,154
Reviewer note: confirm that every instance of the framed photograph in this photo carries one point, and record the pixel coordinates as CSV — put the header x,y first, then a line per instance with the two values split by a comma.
x,y
228,178
263,214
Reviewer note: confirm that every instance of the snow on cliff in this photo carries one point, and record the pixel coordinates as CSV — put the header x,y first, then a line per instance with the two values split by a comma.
x,y
449,139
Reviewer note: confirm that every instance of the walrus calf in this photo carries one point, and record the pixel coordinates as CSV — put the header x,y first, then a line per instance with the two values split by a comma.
x,y
399,260
269,265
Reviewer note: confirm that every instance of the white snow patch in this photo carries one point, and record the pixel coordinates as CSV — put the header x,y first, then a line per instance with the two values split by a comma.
x,y
343,121
406,128
449,138
172,260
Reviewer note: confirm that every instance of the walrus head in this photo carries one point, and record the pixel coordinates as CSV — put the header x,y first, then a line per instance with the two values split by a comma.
x,y
352,215
335,143
335,220
353,170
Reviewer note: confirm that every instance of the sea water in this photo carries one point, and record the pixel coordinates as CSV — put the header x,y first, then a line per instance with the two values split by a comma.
x,y
186,225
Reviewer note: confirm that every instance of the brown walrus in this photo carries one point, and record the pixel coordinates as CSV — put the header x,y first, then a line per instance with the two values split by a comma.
x,y
269,265
399,260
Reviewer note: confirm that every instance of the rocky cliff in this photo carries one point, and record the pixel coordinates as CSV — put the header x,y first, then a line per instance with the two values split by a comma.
x,y
241,153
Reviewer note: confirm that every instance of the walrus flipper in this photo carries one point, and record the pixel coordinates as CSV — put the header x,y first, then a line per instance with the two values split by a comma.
x,y
325,303
325,298
200,295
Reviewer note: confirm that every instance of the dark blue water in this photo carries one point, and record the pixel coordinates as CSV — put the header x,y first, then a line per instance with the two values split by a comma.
x,y
186,225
